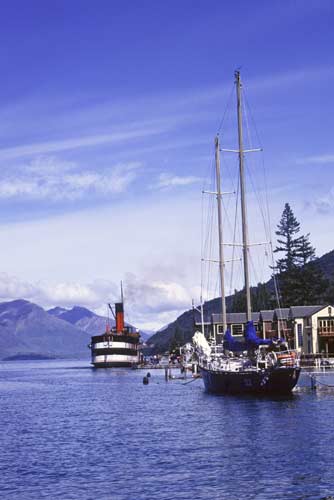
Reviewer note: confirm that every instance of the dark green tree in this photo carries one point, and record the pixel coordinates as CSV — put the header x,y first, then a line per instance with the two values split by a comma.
x,y
312,283
177,340
238,303
300,280
287,267
262,298
288,242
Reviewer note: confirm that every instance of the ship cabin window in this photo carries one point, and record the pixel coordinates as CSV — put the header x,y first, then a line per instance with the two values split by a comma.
x,y
220,329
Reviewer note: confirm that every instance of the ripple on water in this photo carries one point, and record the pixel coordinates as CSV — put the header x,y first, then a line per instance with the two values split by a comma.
x,y
76,433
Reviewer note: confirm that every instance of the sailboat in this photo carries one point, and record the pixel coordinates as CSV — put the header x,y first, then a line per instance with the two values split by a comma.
x,y
254,366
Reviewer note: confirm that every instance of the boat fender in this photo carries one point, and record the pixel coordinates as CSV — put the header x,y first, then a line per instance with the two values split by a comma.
x,y
145,380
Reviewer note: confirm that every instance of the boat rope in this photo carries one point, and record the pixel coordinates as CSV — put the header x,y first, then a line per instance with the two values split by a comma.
x,y
313,377
234,233
207,237
268,216
323,383
192,380
227,107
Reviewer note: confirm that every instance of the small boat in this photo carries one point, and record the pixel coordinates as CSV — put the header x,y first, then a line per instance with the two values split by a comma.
x,y
117,346
254,365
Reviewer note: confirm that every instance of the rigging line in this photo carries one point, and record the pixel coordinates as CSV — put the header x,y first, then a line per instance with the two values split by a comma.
x,y
208,212
234,181
276,284
205,235
238,284
268,223
254,270
252,119
210,236
259,201
235,232
210,246
256,191
248,113
228,103
226,167
264,170
202,244
245,114
216,287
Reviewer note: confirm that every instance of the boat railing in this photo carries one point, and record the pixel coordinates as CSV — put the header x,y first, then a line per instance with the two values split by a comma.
x,y
289,357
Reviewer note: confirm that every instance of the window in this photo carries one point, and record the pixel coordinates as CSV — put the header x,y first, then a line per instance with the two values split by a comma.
x,y
329,311
300,334
237,329
309,346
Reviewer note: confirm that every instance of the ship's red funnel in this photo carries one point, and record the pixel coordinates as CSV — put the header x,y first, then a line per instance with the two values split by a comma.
x,y
119,317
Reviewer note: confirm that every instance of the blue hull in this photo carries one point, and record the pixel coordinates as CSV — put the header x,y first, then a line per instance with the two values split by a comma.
x,y
271,381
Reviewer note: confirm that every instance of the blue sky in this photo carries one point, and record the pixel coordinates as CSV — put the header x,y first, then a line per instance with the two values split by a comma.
x,y
108,112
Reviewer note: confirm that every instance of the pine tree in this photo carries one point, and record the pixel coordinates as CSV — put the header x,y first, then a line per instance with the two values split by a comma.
x,y
287,266
305,252
287,228
301,281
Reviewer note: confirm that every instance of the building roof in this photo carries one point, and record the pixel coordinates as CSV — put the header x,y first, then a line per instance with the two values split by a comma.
x,y
267,315
304,311
234,318
282,312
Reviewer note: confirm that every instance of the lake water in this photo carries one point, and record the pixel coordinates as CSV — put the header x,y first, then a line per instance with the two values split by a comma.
x,y
71,432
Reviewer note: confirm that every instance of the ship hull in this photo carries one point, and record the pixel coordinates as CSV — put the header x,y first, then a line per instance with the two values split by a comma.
x,y
280,380
114,364
111,351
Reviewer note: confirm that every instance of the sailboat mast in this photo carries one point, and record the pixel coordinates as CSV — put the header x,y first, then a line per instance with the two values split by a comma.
x,y
220,233
243,201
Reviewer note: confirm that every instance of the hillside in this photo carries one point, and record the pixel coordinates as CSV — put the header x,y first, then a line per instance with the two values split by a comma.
x,y
86,320
82,318
183,327
26,329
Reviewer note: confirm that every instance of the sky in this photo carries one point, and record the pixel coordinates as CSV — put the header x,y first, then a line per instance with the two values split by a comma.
x,y
108,113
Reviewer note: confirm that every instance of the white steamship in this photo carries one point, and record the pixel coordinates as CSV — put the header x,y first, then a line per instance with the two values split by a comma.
x,y
118,346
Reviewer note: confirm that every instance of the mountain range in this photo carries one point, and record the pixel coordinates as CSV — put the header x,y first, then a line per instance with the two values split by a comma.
x,y
29,331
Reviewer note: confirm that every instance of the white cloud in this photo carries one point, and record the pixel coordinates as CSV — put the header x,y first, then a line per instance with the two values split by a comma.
x,y
12,288
306,74
166,180
324,204
318,159
46,178
148,305
76,143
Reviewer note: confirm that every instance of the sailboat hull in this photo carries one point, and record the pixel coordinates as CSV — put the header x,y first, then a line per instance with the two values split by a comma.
x,y
280,380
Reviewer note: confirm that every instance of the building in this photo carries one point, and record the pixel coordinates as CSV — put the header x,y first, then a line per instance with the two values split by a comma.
x,y
313,329
309,329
